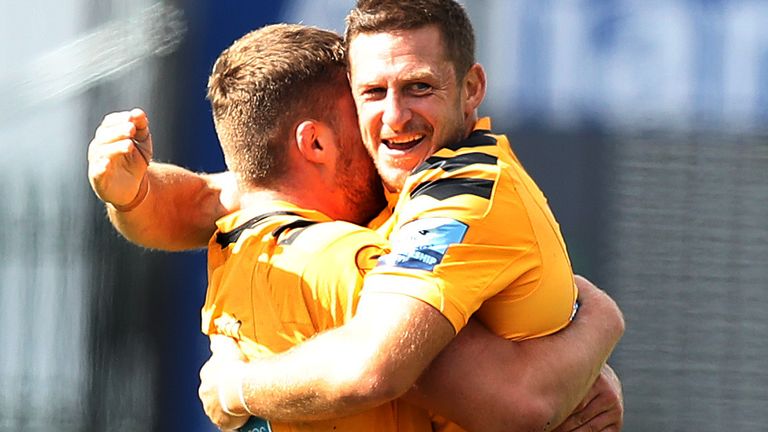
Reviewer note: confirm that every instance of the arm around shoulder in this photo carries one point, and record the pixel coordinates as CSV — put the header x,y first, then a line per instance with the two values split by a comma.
x,y
371,360
180,209
483,382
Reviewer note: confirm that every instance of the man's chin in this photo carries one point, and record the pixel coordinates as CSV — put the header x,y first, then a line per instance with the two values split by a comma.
x,y
394,179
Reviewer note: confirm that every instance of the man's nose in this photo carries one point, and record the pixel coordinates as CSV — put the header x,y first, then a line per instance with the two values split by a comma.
x,y
396,111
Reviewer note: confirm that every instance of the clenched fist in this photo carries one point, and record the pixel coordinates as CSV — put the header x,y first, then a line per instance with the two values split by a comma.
x,y
220,384
118,157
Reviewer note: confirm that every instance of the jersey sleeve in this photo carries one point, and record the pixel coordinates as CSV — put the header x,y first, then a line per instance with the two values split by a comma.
x,y
454,242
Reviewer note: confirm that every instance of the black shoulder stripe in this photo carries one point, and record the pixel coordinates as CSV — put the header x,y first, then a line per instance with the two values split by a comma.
x,y
477,138
454,163
297,226
225,239
290,238
445,188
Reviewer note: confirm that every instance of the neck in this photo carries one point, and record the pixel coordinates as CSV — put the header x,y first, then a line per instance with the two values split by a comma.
x,y
259,198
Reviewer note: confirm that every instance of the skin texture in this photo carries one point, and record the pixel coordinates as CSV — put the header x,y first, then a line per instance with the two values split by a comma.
x,y
120,156
601,410
409,99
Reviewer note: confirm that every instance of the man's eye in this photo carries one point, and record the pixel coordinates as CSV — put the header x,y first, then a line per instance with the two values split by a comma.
x,y
421,88
375,92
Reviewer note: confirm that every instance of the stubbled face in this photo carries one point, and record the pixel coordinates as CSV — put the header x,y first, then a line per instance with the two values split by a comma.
x,y
356,176
408,100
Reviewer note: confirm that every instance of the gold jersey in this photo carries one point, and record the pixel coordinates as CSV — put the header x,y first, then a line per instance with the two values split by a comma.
x,y
472,234
280,276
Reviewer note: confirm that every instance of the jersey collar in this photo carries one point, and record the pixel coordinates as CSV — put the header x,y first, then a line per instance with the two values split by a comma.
x,y
233,220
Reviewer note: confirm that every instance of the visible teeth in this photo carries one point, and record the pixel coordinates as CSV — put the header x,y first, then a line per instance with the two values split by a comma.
x,y
403,140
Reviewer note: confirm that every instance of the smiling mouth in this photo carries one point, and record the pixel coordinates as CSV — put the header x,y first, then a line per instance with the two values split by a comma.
x,y
403,143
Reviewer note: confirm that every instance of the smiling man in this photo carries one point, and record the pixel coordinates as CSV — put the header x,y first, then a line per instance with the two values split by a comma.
x,y
409,97
471,234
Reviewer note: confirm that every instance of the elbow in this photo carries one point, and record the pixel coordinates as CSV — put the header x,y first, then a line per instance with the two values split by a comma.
x,y
544,417
539,416
529,416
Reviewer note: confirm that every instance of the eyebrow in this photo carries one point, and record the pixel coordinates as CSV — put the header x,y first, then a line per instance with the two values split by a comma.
x,y
423,73
419,74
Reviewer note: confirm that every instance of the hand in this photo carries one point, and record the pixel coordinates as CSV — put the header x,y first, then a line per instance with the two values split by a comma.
x,y
219,378
601,410
118,156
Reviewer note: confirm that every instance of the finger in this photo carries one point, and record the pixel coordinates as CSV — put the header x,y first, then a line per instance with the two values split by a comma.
x,y
598,413
116,117
140,120
138,117
113,151
608,421
583,415
612,378
114,132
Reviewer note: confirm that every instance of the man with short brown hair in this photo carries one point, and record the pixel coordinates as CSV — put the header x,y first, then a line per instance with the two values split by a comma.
x,y
471,232
400,141
299,166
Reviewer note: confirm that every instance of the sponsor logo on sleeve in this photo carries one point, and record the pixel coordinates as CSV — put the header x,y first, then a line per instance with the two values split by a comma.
x,y
421,244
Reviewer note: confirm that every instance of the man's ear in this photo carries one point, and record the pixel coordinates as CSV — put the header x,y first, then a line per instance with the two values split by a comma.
x,y
308,141
474,87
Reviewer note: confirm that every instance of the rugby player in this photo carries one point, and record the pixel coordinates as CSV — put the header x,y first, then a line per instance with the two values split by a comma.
x,y
442,108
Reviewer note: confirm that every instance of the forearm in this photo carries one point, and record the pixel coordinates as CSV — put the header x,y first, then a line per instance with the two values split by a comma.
x,y
319,379
483,382
371,360
180,209
580,354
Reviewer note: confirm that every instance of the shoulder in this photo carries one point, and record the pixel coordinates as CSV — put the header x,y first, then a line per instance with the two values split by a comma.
x,y
335,247
327,236
458,181
469,167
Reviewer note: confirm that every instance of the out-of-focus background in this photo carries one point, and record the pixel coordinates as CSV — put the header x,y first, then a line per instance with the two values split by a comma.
x,y
644,121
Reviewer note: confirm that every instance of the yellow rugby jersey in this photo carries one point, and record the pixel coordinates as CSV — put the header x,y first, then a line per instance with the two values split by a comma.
x,y
473,234
277,277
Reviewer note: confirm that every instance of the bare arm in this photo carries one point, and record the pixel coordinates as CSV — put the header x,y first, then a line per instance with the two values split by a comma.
x,y
180,210
163,206
602,409
483,382
374,358
480,381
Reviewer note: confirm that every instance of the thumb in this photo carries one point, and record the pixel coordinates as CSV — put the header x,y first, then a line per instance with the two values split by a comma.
x,y
139,118
142,138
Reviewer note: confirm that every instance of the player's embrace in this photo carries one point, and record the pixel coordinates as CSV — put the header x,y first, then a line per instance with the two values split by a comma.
x,y
333,339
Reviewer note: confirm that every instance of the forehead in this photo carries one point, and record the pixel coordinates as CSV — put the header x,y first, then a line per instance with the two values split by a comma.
x,y
403,52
